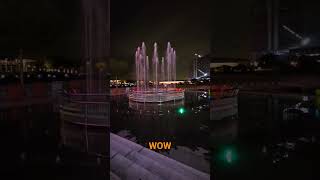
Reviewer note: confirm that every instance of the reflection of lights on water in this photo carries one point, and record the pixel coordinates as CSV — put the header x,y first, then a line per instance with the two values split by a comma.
x,y
294,63
181,110
229,156
305,41
264,149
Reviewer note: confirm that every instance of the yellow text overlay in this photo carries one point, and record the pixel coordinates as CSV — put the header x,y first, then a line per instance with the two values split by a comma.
x,y
160,145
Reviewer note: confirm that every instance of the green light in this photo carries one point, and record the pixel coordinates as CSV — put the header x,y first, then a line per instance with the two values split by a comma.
x,y
181,110
228,155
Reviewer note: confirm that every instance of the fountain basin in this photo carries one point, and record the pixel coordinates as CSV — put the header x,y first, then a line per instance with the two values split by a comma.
x,y
159,96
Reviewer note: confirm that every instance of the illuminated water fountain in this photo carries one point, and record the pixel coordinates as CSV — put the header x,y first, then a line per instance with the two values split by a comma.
x,y
149,76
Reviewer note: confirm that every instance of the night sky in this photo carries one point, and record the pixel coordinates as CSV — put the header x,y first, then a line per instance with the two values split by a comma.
x,y
185,24
39,27
52,28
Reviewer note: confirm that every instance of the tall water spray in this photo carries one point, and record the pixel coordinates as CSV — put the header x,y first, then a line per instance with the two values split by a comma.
x,y
95,43
162,69
168,58
155,63
167,68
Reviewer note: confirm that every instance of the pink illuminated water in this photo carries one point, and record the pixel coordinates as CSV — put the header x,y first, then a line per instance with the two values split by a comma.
x,y
159,71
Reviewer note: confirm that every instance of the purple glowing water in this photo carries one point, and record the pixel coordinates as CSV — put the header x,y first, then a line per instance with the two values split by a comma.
x,y
95,43
164,70
160,71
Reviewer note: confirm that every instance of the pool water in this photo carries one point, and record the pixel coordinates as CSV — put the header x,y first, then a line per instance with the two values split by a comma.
x,y
184,123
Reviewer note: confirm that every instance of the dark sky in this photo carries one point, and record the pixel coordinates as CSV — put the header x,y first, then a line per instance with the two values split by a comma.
x,y
232,28
52,28
184,23
39,27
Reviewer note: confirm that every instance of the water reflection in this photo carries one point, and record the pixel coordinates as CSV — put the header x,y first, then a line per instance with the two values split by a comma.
x,y
223,108
259,137
224,119
159,108
32,146
144,122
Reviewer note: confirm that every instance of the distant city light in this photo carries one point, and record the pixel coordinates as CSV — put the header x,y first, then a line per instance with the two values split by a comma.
x,y
170,82
294,63
198,55
305,41
314,54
